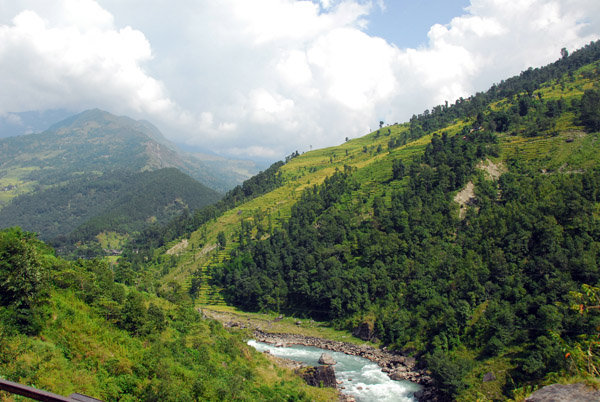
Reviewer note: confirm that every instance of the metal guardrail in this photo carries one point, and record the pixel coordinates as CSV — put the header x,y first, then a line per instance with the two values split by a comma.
x,y
40,395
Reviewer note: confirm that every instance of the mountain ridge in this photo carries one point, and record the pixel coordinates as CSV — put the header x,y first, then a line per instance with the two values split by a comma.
x,y
91,165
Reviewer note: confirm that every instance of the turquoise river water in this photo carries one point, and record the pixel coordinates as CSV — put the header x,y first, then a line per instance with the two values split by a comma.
x,y
361,378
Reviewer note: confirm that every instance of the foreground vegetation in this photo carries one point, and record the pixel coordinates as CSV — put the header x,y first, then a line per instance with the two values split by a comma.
x,y
68,327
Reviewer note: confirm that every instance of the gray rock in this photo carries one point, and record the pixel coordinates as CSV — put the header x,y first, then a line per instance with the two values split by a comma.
x,y
327,359
320,376
365,331
489,376
410,362
565,393
398,376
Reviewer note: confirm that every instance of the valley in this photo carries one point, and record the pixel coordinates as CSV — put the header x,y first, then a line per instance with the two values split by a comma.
x,y
465,241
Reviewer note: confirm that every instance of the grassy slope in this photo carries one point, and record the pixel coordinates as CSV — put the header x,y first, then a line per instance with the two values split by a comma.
x,y
14,182
300,173
78,351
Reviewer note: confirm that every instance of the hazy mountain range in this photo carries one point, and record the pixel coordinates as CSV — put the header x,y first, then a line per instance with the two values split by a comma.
x,y
81,167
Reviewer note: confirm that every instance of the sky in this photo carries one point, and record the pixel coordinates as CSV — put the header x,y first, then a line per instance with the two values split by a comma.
x,y
261,79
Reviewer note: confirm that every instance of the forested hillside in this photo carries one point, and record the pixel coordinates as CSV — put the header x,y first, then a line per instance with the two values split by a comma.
x,y
118,201
66,327
468,237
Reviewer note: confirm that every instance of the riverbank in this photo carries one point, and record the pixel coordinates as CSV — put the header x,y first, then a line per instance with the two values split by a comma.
x,y
396,365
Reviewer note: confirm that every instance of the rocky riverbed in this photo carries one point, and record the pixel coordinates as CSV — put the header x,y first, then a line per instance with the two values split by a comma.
x,y
397,366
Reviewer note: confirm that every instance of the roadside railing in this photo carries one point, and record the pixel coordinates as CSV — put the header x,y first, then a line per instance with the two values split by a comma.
x,y
40,395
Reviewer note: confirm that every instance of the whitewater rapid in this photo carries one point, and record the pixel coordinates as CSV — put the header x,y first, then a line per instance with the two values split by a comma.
x,y
360,377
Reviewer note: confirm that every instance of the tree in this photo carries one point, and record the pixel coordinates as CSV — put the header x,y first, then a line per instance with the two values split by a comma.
x,y
195,284
564,53
398,169
133,315
22,278
449,371
156,319
221,239
590,110
21,270
523,106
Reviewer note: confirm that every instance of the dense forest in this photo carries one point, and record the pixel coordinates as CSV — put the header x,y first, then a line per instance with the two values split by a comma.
x,y
494,279
122,201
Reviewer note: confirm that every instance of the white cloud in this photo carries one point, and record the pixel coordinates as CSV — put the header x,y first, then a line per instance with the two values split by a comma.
x,y
254,151
267,77
14,119
49,65
354,69
294,69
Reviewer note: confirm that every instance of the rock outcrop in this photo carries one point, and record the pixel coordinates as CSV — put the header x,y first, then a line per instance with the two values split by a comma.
x,y
365,331
319,376
565,393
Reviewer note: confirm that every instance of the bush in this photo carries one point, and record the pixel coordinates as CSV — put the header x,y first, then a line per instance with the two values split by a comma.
x,y
449,371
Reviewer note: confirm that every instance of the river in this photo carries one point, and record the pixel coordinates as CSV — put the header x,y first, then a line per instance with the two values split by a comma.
x,y
360,377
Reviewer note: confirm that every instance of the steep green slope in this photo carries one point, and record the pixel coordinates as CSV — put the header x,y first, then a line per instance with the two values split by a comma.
x,y
143,246
463,237
157,196
68,327
120,201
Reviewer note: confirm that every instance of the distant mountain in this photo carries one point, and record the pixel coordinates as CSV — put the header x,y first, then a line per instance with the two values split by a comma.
x,y
119,201
105,172
95,140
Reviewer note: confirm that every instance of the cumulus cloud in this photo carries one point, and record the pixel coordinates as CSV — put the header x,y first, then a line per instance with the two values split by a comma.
x,y
267,77
76,63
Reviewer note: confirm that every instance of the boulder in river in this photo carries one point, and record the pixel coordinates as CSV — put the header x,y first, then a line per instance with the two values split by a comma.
x,y
326,359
